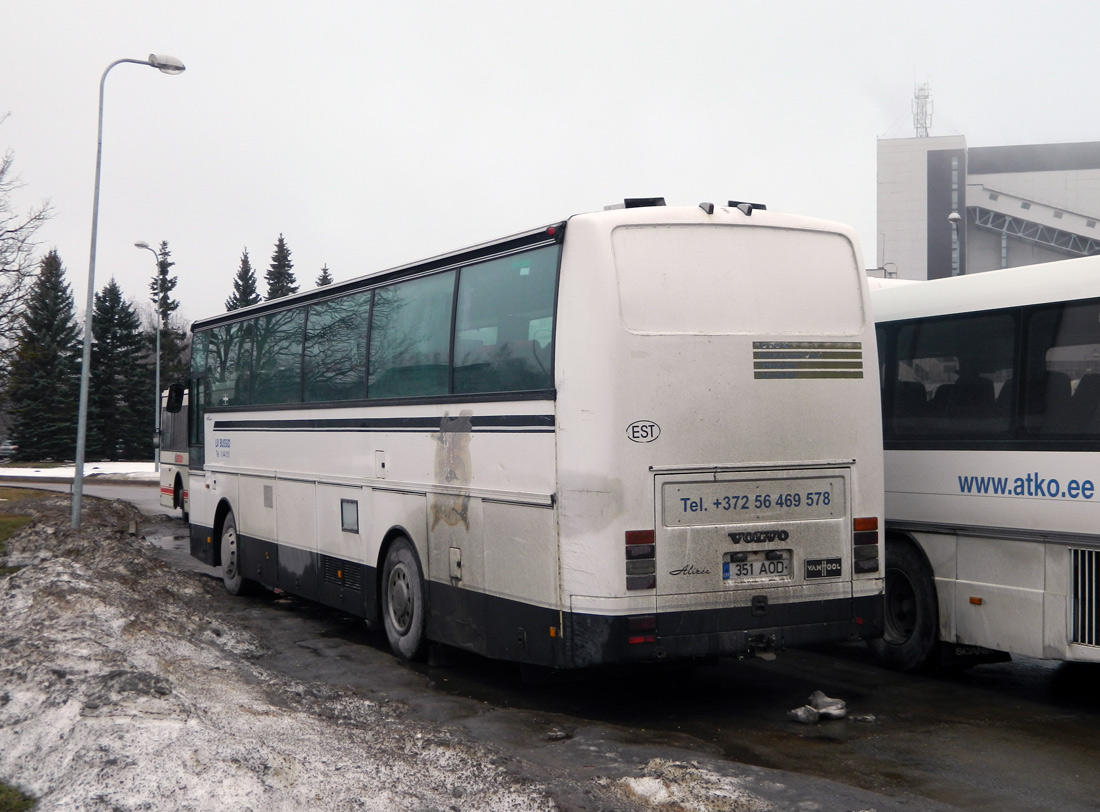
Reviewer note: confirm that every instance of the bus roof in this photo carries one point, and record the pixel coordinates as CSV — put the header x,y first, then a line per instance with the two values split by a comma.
x,y
1064,280
654,213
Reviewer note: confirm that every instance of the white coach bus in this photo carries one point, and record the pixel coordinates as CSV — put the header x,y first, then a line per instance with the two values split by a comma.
x,y
991,422
173,450
648,433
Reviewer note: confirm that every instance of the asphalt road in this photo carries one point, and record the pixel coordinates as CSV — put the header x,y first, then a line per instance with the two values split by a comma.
x,y
1010,737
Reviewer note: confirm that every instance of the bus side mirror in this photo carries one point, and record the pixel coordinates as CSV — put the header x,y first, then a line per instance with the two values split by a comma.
x,y
175,398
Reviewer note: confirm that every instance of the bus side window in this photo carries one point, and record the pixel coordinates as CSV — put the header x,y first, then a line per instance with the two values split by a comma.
x,y
504,324
949,370
410,338
1063,351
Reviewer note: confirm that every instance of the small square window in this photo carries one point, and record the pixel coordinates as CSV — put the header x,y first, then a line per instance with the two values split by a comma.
x,y
994,196
1025,205
1090,223
349,515
1057,215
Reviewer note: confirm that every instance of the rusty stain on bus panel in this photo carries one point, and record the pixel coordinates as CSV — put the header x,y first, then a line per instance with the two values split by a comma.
x,y
452,468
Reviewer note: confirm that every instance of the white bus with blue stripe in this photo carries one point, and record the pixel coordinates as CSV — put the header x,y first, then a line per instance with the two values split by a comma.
x,y
642,434
991,416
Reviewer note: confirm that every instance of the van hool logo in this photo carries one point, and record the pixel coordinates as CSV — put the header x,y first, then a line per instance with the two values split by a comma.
x,y
759,536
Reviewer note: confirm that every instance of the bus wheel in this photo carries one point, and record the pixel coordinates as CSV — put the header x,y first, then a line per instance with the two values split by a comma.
x,y
235,583
912,615
403,600
177,498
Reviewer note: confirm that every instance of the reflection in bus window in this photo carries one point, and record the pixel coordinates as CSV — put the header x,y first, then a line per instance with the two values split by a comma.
x,y
410,338
1062,391
504,324
277,363
229,364
335,365
951,375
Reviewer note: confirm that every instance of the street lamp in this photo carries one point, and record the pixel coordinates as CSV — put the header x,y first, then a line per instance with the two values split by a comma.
x,y
954,218
156,385
165,64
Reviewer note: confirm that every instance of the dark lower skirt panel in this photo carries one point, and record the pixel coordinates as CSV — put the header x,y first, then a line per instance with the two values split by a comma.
x,y
512,630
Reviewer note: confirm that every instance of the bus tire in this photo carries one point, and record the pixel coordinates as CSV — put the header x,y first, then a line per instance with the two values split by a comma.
x,y
235,582
910,638
403,609
177,497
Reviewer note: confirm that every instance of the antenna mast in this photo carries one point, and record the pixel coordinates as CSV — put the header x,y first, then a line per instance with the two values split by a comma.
x,y
922,110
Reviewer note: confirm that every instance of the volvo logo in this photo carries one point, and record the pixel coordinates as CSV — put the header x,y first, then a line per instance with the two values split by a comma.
x,y
759,536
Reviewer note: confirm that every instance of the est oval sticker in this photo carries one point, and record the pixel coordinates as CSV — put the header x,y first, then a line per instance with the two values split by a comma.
x,y
643,431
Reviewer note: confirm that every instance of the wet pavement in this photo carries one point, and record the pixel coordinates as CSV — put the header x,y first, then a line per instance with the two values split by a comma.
x,y
1008,737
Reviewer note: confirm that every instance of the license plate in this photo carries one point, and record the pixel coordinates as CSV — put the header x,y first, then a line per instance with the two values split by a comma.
x,y
758,565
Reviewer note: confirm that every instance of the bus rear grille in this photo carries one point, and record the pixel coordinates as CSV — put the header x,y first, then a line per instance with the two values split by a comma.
x,y
1086,597
347,574
807,359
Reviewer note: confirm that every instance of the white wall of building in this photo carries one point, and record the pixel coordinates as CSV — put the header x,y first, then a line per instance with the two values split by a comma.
x,y
903,203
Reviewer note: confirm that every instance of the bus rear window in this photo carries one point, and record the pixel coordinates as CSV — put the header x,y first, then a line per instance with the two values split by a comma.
x,y
715,280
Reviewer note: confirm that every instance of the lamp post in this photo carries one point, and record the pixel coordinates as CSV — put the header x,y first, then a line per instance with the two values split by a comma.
x,y
165,64
156,385
954,218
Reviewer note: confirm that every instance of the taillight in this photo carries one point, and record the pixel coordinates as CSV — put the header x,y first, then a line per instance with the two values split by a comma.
x,y
865,546
641,629
641,560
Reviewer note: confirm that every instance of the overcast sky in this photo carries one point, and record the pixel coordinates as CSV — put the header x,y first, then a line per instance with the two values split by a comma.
x,y
370,134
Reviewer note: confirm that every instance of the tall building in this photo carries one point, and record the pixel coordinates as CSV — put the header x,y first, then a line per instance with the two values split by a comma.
x,y
945,209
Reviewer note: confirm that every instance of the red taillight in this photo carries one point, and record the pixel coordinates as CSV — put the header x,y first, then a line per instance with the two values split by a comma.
x,y
641,560
865,550
641,629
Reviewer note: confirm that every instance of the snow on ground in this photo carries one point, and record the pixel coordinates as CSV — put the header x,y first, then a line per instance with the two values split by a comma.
x,y
124,470
118,691
123,688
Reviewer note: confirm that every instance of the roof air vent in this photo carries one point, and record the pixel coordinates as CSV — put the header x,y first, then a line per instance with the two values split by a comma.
x,y
746,208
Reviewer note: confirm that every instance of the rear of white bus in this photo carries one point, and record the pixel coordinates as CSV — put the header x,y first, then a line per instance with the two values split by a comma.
x,y
719,446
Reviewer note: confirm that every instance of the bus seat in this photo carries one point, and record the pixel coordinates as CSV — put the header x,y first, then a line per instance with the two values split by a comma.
x,y
1084,406
942,398
972,397
1052,412
1006,398
910,399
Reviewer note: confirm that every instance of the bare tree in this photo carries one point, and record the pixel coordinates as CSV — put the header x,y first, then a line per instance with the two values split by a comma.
x,y
18,264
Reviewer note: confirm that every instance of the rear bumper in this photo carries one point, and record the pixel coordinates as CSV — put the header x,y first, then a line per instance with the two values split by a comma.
x,y
728,632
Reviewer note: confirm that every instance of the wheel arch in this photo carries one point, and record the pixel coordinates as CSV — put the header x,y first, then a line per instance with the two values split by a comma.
x,y
894,536
909,539
394,533
220,512
911,629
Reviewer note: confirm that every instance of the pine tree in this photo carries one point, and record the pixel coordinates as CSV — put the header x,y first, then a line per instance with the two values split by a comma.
x,y
162,286
175,350
172,343
325,278
245,290
121,400
280,275
44,383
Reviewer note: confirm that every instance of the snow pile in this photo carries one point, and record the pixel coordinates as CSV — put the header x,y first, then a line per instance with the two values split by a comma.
x,y
119,692
678,786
